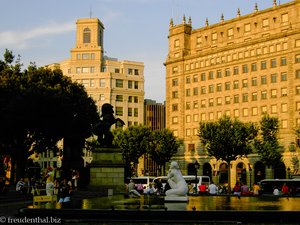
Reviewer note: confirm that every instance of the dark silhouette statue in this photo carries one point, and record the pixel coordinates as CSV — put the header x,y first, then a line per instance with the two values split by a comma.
x,y
102,129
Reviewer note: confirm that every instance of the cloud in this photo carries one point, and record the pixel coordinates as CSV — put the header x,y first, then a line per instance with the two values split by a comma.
x,y
21,39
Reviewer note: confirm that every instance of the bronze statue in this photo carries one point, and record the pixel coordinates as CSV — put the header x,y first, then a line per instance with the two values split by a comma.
x,y
102,129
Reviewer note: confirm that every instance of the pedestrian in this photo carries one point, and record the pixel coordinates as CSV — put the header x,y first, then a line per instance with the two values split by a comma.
x,y
49,181
212,189
20,186
237,189
75,178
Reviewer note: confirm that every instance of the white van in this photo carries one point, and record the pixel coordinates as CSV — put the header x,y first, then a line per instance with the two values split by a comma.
x,y
189,179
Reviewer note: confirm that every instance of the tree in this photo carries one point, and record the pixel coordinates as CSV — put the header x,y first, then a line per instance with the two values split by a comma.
x,y
163,146
267,145
227,139
39,107
133,142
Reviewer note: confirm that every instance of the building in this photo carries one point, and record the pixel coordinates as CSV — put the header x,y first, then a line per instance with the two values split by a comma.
x,y
244,67
154,115
107,80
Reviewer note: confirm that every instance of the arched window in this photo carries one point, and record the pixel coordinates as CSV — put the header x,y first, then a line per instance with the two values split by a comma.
x,y
86,35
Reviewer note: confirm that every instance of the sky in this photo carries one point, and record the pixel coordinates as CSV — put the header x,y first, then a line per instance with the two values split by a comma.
x,y
137,30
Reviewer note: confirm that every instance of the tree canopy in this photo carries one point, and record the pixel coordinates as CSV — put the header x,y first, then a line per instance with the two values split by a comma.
x,y
38,107
267,145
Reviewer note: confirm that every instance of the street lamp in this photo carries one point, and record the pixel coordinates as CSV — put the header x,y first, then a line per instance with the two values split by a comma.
x,y
250,173
196,166
289,172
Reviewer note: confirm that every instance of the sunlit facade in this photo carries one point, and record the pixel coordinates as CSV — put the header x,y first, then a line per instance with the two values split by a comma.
x,y
244,67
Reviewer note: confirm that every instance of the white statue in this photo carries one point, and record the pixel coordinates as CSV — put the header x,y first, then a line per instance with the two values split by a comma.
x,y
176,181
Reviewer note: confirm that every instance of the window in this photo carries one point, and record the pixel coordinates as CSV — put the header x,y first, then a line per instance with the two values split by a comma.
x,y
245,83
297,90
175,107
253,67
175,82
92,69
284,124
119,83
273,63
188,80
245,112
273,78
273,93
284,18
119,98
219,101
85,69
188,105
102,97
203,116
254,81
297,74
236,99
235,70
227,72
85,82
247,27
135,112
195,78
86,35
236,113
119,111
211,88
130,84
129,111
264,95
297,106
230,32
136,99
236,84
92,83
284,107
188,92
92,55
283,61
245,68
245,97
102,82
136,85
297,59
273,108
211,102
283,76
175,94
254,111
203,103
219,74
211,116
211,75
227,86
129,71
264,109
219,87
263,80
203,78
283,92
175,70
195,117
203,90
263,65
195,91
254,96
85,55
227,100
176,43
78,56
196,105
136,72
265,22
188,118
78,69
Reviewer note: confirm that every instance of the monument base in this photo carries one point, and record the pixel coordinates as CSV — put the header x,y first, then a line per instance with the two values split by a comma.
x,y
176,199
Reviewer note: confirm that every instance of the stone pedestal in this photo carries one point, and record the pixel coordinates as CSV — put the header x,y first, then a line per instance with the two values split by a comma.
x,y
107,170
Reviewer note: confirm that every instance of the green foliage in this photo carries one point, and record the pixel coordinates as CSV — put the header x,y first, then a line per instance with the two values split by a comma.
x,y
133,141
267,145
163,146
38,107
227,139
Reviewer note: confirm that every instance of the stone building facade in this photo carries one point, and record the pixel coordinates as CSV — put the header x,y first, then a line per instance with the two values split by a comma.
x,y
244,67
107,80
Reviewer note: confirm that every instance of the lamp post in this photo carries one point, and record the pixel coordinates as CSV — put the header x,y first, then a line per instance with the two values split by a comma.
x,y
196,166
289,172
250,173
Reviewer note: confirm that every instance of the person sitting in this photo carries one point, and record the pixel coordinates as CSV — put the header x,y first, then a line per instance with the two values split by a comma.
x,y
285,189
212,189
237,189
276,191
244,189
202,189
131,189
150,189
